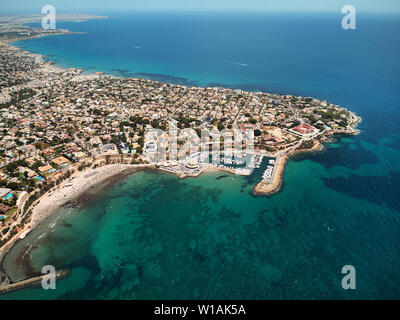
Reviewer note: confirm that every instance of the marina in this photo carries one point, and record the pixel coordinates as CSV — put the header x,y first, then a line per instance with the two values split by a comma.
x,y
268,174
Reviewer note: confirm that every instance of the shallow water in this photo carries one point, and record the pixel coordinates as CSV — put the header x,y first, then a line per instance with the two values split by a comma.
x,y
139,240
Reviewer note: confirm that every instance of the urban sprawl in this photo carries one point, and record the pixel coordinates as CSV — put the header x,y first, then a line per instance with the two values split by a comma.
x,y
55,122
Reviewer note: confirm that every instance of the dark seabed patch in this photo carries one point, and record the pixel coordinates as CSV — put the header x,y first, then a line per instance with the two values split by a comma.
x,y
394,143
382,190
120,71
89,262
351,156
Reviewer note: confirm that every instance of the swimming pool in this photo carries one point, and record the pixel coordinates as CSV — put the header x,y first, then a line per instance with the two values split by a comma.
x,y
39,178
8,196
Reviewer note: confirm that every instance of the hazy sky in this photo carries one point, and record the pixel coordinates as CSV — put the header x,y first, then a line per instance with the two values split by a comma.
x,y
89,6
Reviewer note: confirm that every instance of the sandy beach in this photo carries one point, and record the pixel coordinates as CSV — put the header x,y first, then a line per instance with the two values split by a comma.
x,y
70,189
79,183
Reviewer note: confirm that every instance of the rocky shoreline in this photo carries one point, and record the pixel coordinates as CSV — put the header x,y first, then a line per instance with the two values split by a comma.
x,y
266,189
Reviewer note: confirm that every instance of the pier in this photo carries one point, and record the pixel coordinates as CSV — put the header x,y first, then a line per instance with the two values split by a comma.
x,y
30,282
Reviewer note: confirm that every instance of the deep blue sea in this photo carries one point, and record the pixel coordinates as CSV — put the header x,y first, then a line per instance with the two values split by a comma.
x,y
208,237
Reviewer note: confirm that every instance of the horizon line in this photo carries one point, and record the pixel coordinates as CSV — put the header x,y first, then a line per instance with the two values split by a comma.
x,y
194,11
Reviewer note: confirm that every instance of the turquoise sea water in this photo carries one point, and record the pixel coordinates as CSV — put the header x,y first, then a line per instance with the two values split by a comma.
x,y
153,236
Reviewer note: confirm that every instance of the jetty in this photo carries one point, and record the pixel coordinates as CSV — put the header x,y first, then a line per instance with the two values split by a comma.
x,y
7,288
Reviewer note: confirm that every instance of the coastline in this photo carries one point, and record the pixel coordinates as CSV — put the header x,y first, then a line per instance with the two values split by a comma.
x,y
266,189
49,66
88,178
72,189
261,188
58,196
81,181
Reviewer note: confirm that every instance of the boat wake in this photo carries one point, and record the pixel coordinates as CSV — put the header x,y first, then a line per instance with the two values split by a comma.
x,y
237,63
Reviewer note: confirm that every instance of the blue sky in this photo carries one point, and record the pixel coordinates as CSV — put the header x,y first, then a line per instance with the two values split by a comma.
x,y
92,6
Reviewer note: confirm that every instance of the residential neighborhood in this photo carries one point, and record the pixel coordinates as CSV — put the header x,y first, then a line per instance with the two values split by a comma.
x,y
53,119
